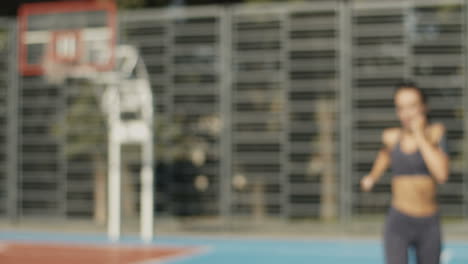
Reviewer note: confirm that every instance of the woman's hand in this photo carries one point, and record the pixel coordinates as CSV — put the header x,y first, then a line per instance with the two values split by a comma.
x,y
367,182
417,126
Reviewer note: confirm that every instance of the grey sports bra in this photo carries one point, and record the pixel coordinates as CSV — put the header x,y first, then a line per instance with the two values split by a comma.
x,y
411,163
407,164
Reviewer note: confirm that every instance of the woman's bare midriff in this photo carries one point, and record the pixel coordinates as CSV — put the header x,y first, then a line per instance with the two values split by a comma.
x,y
414,195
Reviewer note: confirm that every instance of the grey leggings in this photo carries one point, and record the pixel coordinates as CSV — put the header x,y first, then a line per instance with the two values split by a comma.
x,y
403,232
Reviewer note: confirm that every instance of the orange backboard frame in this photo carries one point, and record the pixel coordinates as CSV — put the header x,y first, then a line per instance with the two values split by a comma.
x,y
50,8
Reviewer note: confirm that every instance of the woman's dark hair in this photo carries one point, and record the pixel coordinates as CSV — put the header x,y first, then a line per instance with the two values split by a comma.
x,y
408,84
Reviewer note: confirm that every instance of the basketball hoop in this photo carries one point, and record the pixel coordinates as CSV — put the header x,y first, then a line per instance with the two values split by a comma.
x,y
83,47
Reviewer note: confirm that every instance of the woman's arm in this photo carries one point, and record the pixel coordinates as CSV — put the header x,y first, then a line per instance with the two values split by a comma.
x,y
381,162
434,155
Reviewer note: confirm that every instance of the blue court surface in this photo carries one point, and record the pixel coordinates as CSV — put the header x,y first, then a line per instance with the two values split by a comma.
x,y
216,250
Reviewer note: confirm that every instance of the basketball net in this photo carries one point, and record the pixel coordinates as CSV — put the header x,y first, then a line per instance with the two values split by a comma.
x,y
58,72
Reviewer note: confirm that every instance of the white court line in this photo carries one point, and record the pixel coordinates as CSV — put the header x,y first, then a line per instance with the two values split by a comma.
x,y
446,256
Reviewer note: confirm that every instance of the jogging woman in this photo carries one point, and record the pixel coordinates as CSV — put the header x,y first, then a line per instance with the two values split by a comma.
x,y
417,155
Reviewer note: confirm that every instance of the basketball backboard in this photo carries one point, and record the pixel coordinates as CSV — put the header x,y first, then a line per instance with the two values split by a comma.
x,y
70,33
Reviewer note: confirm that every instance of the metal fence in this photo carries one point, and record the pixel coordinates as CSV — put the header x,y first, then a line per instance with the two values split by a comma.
x,y
7,40
262,110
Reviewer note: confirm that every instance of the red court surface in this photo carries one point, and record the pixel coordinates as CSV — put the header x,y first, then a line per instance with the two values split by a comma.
x,y
41,253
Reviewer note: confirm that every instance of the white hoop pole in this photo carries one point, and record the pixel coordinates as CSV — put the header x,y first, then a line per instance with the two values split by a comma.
x,y
147,192
114,171
147,171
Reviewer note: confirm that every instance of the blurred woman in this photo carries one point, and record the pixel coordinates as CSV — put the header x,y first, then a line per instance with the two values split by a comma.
x,y
418,157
